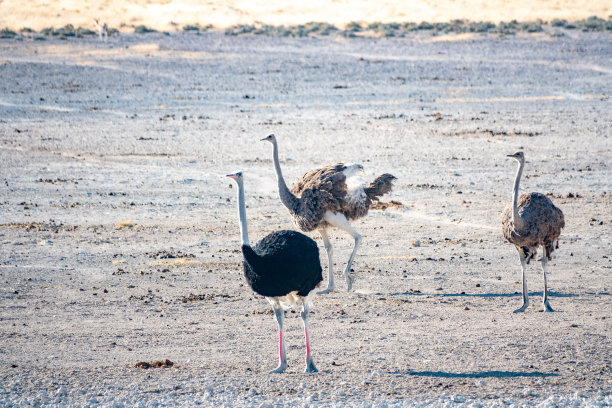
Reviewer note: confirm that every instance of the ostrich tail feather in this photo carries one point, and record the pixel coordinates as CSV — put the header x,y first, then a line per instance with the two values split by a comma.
x,y
380,186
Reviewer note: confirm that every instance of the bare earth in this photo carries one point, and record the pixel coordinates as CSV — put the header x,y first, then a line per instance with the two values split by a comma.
x,y
119,232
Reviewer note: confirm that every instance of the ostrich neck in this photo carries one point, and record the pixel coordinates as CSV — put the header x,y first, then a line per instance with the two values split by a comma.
x,y
242,215
288,199
516,218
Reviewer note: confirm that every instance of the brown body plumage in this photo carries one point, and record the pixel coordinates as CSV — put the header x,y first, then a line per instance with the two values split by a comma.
x,y
330,196
325,189
543,222
531,221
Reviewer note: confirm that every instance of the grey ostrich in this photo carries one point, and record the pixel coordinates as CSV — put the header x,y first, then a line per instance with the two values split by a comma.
x,y
330,197
285,268
532,220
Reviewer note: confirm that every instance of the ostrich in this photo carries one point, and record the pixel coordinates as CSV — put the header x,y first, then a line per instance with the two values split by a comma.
x,y
330,197
531,221
285,268
102,29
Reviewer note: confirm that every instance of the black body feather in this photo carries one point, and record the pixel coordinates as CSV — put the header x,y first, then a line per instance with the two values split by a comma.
x,y
283,262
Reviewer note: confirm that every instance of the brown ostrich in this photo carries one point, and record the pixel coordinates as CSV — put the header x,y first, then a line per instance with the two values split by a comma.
x,y
531,221
330,197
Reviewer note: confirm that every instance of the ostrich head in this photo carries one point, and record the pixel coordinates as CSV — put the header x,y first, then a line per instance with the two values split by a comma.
x,y
237,177
518,156
270,138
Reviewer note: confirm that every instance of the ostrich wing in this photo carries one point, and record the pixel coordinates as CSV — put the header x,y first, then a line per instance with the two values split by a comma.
x,y
330,179
283,262
319,191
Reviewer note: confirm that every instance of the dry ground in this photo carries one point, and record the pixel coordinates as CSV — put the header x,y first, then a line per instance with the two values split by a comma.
x,y
119,235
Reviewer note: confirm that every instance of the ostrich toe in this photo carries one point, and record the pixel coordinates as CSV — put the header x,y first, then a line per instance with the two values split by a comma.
x,y
310,367
547,307
280,369
349,281
522,308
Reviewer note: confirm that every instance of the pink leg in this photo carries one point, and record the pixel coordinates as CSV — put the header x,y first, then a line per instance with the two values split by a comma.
x,y
282,364
310,366
307,343
281,358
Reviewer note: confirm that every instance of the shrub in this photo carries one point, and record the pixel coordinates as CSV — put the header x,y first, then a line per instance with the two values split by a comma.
x,y
142,29
6,33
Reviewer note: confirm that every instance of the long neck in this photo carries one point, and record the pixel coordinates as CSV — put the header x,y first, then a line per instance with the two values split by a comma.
x,y
288,199
516,218
242,215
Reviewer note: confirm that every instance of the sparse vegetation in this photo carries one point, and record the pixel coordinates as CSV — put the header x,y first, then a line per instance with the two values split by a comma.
x,y
558,23
300,30
142,29
354,29
197,27
593,24
64,32
6,33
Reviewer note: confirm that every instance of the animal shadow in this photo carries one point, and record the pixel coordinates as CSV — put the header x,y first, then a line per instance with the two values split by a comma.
x,y
482,374
483,295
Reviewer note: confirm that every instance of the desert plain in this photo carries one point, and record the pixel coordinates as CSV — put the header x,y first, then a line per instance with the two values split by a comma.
x,y
119,238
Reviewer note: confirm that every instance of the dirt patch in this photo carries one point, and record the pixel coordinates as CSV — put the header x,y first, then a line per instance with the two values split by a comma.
x,y
380,205
155,364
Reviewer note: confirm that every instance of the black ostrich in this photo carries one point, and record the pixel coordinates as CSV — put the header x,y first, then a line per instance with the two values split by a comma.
x,y
285,268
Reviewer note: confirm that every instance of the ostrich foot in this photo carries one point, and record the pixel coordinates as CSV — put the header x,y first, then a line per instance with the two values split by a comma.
x,y
310,366
280,369
330,289
349,281
522,308
547,307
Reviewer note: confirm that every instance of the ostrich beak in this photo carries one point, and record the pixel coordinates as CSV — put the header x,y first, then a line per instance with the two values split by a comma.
x,y
232,175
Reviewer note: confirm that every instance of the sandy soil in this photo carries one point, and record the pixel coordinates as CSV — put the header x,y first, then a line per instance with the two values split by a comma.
x,y
172,15
119,236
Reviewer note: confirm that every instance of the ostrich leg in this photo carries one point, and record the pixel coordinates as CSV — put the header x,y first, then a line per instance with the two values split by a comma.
x,y
545,300
340,221
524,278
310,366
282,364
329,249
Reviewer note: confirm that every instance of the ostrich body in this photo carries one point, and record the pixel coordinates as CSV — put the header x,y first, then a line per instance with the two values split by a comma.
x,y
330,197
531,221
285,268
